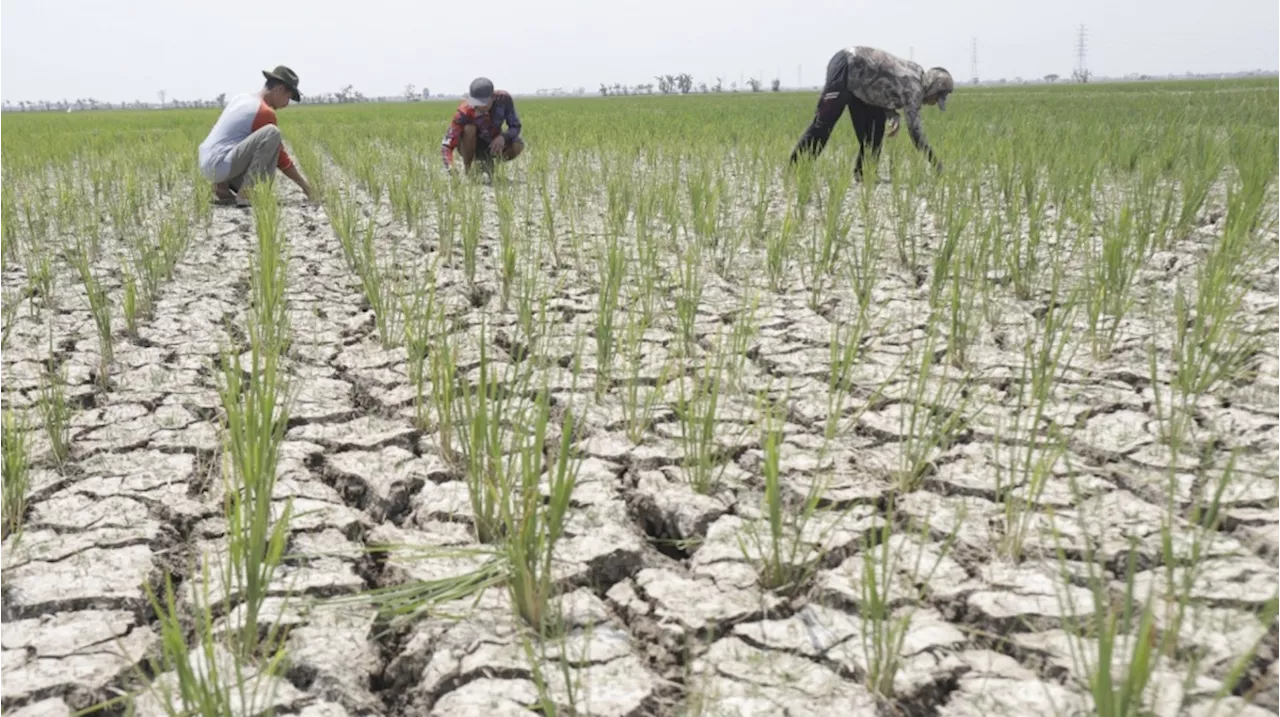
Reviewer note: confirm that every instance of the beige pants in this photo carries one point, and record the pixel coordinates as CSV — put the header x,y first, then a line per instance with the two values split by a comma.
x,y
254,158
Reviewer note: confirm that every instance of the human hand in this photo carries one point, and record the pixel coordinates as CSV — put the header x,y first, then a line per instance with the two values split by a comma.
x,y
498,144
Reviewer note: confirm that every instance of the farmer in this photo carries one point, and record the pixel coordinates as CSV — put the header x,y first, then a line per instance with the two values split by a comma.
x,y
476,128
245,146
874,85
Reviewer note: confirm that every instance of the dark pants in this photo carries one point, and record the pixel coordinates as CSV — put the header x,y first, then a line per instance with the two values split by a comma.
x,y
868,121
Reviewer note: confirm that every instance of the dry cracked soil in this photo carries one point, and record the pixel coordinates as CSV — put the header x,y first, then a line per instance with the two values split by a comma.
x,y
664,613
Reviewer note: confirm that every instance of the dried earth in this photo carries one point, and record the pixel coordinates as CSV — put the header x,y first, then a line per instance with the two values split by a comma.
x,y
664,614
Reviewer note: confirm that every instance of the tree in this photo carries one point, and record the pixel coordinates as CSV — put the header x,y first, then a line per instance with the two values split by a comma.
x,y
755,84
776,85
665,85
685,82
719,86
702,87
426,94
1080,75
1051,78
410,92
604,90
162,94
221,99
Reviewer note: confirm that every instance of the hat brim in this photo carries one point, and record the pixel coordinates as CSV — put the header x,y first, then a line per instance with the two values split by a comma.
x,y
478,101
293,91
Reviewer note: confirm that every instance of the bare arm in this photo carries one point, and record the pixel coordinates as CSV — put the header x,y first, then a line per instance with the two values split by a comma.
x,y
915,128
292,173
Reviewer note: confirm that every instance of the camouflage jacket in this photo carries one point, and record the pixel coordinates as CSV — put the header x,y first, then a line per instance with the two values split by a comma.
x,y
884,80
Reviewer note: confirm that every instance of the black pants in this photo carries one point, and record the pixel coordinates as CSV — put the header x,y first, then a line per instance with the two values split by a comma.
x,y
868,121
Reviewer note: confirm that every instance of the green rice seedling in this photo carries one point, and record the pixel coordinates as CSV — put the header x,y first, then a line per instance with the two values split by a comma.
x,y
486,424
1109,277
17,471
41,279
805,177
612,272
532,526
639,401
343,217
778,247
508,251
689,296
421,324
932,412
99,308
256,411
401,604
12,249
862,269
758,220
9,306
1116,642
1037,445
1201,165
884,576
129,302
1022,253
381,286
549,222
826,243
36,215
268,274
619,195
697,411
255,403
441,360
787,557
55,413
1154,204
964,275
845,348
905,201
1211,345
204,678
472,218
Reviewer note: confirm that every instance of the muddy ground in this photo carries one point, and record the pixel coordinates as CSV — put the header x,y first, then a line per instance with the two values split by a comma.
x,y
664,615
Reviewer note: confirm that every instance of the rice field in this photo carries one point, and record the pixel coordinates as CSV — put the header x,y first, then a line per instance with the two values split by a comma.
x,y
650,423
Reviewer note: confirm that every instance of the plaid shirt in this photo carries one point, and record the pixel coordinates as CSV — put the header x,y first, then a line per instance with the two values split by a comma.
x,y
487,125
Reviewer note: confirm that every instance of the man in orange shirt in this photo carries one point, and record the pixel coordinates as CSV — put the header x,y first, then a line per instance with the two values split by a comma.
x,y
245,143
476,130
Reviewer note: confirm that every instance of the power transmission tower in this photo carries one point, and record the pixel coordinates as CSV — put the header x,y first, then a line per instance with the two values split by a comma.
x,y
1081,73
973,62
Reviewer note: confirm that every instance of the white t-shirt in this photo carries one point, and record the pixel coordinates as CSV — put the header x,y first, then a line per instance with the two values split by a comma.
x,y
243,115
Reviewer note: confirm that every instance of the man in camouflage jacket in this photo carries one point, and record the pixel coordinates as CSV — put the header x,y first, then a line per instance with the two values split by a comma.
x,y
874,85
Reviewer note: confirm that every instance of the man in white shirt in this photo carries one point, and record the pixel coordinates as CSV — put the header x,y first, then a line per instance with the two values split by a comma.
x,y
245,143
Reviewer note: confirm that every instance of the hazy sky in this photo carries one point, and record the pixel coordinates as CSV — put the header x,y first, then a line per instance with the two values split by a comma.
x,y
55,49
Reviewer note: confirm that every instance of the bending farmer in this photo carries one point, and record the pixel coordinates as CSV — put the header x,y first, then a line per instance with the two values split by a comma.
x,y
874,85
476,128
245,144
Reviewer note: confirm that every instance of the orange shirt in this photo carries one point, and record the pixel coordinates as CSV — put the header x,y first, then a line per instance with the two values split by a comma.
x,y
266,116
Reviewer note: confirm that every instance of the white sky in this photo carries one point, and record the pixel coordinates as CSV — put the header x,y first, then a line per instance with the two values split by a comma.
x,y
56,49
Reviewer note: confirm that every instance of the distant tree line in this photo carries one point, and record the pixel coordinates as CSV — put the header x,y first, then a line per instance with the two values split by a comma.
x,y
682,84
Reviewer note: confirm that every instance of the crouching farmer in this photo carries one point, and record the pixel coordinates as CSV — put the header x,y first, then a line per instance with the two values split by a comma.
x,y
476,129
245,145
